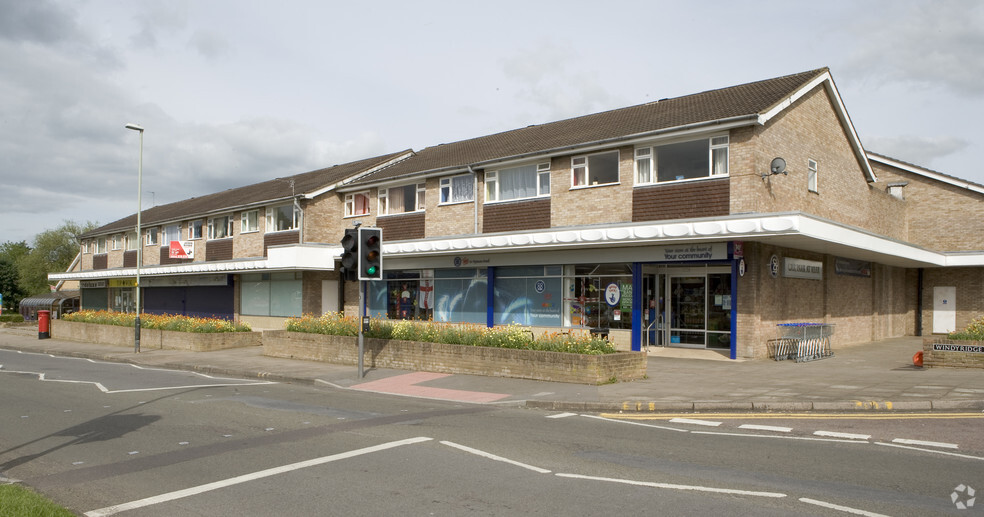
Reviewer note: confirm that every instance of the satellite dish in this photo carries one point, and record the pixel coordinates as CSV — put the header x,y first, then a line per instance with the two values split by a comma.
x,y
778,166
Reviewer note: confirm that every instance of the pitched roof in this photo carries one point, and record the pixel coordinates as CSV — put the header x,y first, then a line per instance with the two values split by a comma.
x,y
271,190
746,100
927,173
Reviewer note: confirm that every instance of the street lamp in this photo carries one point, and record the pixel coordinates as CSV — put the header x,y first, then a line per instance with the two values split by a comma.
x,y
136,324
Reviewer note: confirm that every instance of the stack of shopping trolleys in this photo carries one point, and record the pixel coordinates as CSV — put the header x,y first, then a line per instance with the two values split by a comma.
x,y
801,341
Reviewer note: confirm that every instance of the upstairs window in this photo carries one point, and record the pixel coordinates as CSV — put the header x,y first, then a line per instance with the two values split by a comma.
x,y
281,218
117,241
811,175
249,221
85,247
101,245
682,160
131,241
172,232
356,204
400,200
526,181
220,227
594,169
458,189
195,229
152,236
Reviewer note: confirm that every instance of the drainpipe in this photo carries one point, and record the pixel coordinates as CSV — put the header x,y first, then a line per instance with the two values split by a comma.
x,y
919,302
475,183
300,221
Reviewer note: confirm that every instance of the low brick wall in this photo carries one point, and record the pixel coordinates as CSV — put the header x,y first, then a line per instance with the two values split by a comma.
x,y
953,353
152,338
472,360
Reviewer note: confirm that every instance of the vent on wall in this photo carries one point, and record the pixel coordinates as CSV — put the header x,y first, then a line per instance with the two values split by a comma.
x,y
895,189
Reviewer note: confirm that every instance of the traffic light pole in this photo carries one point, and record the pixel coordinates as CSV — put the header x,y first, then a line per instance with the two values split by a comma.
x,y
362,316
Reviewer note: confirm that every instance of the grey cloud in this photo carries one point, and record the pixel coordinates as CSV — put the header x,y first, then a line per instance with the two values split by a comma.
x,y
209,44
918,150
39,21
159,19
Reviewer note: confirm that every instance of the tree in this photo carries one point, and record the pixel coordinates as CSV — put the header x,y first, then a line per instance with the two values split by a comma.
x,y
53,251
9,285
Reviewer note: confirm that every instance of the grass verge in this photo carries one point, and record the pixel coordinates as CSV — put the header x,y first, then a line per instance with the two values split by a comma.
x,y
20,501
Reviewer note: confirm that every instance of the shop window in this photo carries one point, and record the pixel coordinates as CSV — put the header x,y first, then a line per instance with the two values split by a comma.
x,y
594,169
527,181
271,294
195,229
405,295
400,200
281,218
459,295
682,160
599,295
529,295
220,227
249,221
356,204
458,189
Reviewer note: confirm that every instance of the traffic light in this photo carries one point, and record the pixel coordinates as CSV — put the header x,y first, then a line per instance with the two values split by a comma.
x,y
370,254
350,255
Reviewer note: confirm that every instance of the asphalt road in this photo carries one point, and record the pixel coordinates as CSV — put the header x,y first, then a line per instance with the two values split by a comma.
x,y
112,439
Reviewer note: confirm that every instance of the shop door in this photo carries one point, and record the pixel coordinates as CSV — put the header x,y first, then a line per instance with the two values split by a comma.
x,y
654,315
687,310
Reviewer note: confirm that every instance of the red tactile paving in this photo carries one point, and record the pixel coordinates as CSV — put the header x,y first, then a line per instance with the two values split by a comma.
x,y
407,385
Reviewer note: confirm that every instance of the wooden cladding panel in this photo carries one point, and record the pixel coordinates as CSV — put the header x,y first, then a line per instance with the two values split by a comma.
x,y
218,249
681,200
402,227
280,238
130,258
516,216
100,261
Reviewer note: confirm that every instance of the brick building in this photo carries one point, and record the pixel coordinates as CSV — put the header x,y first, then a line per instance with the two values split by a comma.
x,y
700,221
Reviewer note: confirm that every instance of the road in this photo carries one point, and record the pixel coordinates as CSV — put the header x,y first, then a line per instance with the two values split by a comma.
x,y
113,439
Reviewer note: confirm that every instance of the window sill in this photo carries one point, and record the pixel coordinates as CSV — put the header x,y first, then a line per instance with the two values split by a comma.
x,y
452,203
402,213
249,231
279,231
686,180
221,238
355,215
594,185
537,198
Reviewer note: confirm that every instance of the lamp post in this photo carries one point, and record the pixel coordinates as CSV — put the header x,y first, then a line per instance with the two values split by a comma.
x,y
136,324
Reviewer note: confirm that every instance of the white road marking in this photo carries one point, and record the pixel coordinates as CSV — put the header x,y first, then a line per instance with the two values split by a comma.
x,y
777,437
838,507
494,457
766,428
695,488
179,494
925,443
849,436
934,451
42,377
562,415
694,422
630,422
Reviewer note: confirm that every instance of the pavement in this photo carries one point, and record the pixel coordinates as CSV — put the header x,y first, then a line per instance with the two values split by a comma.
x,y
875,376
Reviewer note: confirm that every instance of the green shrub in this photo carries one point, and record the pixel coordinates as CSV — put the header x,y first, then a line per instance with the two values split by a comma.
x,y
11,318
508,336
973,332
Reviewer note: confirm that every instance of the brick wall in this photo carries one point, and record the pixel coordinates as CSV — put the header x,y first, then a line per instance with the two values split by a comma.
x,y
969,282
594,204
452,219
966,354
681,200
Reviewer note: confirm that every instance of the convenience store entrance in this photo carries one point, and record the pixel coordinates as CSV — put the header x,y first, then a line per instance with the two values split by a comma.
x,y
688,307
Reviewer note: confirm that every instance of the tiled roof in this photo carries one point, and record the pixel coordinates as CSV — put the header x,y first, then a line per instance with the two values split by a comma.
x,y
279,188
749,99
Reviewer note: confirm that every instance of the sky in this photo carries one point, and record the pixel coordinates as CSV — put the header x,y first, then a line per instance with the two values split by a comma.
x,y
233,92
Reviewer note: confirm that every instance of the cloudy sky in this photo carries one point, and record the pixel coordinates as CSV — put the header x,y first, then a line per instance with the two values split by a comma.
x,y
232,92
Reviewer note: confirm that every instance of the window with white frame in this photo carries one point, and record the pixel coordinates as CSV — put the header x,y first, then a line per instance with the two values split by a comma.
x,y
678,161
220,227
281,218
401,200
130,241
101,245
811,175
525,181
195,229
356,203
85,246
152,236
249,221
172,232
594,169
117,241
458,189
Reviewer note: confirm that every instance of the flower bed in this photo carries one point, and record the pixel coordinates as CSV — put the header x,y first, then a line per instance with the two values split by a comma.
x,y
156,331
513,357
963,349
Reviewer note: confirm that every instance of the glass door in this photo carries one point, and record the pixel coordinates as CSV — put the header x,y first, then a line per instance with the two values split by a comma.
x,y
688,310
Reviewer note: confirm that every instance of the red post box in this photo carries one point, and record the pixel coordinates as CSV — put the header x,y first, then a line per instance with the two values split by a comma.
x,y
44,323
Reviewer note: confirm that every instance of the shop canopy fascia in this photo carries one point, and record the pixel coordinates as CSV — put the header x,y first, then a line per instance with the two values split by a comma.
x,y
792,230
292,257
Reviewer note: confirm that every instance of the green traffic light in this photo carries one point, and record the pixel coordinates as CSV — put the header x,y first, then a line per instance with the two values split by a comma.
x,y
371,270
